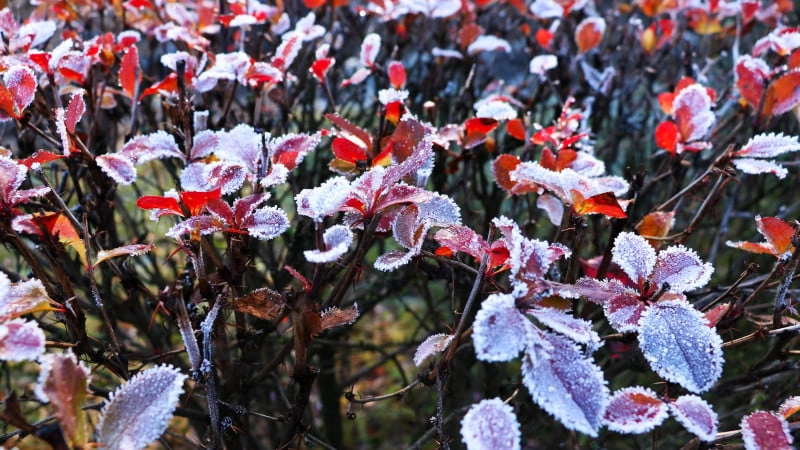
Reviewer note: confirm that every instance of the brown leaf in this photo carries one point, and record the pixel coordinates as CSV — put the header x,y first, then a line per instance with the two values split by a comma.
x,y
335,317
263,303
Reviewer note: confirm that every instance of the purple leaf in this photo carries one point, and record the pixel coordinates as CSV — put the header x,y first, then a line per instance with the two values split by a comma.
x,y
228,176
337,240
695,415
634,256
568,385
118,167
432,345
204,143
204,225
681,268
680,346
622,306
769,145
490,425
500,331
20,340
635,410
152,146
266,223
764,430
139,411
564,323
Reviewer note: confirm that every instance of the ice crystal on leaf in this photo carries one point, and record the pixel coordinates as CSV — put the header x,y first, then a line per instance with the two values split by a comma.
x,y
488,43
64,382
337,239
140,410
752,157
692,111
681,269
634,256
765,430
22,298
696,415
490,425
621,305
566,324
500,331
323,200
568,385
12,175
120,166
759,166
432,345
635,410
680,346
789,407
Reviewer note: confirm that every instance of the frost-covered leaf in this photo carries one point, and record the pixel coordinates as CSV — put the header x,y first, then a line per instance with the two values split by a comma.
x,y
568,385
758,166
589,33
696,415
24,297
263,303
337,240
635,410
783,94
789,407
563,322
336,317
765,430
488,43
323,200
500,331
432,345
680,346
634,256
769,145
64,382
497,110
152,146
130,249
118,167
622,306
290,149
681,269
540,64
491,425
691,109
267,223
138,412
21,340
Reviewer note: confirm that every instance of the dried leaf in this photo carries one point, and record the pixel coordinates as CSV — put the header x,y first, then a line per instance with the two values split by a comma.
x,y
335,317
130,249
589,33
263,303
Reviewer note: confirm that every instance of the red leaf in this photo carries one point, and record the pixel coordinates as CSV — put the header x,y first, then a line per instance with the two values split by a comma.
x,y
348,151
764,430
74,111
544,37
751,76
196,201
777,232
320,68
129,74
40,157
156,202
479,125
605,204
635,410
397,74
667,136
347,127
167,85
516,129
7,104
502,168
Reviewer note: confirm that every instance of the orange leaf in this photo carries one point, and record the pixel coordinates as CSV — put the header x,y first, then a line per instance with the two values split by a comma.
x,y
783,94
502,168
657,225
58,225
777,232
665,102
605,204
7,103
589,33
